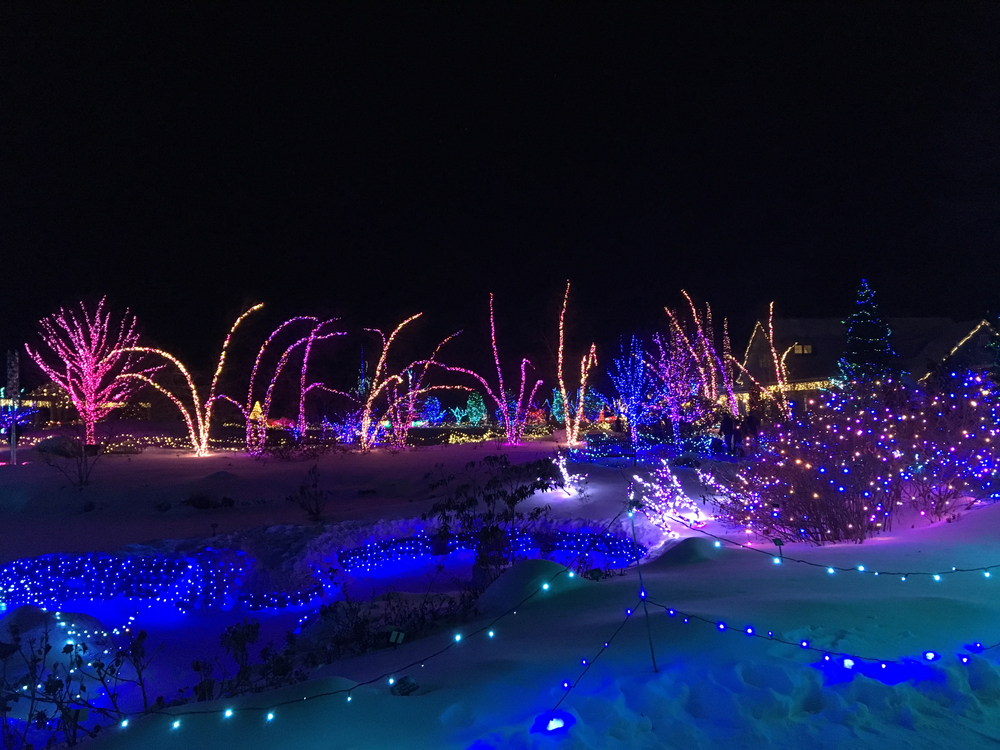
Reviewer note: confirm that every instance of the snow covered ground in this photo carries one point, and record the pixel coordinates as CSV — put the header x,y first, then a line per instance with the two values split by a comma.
x,y
711,686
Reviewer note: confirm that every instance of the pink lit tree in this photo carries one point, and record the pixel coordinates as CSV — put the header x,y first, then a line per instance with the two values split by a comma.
x,y
513,410
93,358
257,414
589,360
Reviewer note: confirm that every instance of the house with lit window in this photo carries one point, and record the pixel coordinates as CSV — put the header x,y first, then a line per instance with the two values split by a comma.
x,y
811,347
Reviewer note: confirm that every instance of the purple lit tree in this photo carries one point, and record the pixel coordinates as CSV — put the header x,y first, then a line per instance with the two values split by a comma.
x,y
93,358
695,378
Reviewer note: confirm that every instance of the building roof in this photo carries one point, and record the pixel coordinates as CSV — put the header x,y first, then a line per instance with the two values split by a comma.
x,y
921,343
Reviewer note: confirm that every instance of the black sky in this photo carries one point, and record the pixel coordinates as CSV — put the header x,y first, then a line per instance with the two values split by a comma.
x,y
375,159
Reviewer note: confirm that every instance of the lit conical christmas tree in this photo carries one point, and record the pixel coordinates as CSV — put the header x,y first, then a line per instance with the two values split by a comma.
x,y
868,355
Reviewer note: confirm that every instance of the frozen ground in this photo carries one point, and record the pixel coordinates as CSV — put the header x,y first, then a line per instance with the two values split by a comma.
x,y
712,688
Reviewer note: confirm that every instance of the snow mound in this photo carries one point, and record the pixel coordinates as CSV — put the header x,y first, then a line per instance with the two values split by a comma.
x,y
687,551
220,476
521,581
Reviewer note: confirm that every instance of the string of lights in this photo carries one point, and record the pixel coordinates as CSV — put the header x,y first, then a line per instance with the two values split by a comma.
x,y
488,631
888,670
831,569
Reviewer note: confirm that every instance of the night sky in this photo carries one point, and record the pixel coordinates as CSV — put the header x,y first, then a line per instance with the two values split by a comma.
x,y
371,160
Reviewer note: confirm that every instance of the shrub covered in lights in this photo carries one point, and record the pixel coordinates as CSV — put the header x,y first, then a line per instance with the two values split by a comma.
x,y
663,501
833,475
951,431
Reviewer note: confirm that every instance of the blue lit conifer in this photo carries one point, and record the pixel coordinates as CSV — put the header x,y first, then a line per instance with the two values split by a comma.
x,y
868,354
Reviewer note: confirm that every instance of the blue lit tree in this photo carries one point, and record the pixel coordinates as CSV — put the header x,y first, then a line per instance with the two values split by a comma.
x,y
636,388
12,417
868,354
432,411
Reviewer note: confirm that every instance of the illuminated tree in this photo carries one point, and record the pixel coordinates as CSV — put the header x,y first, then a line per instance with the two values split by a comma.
x,y
257,414
198,415
475,408
393,398
868,354
637,392
715,370
93,358
679,380
432,410
663,501
695,378
512,410
572,421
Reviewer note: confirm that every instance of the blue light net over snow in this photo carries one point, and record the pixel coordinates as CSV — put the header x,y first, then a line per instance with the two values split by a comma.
x,y
562,546
208,578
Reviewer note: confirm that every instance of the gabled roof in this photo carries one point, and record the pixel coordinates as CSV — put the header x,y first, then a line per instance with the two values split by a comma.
x,y
921,343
